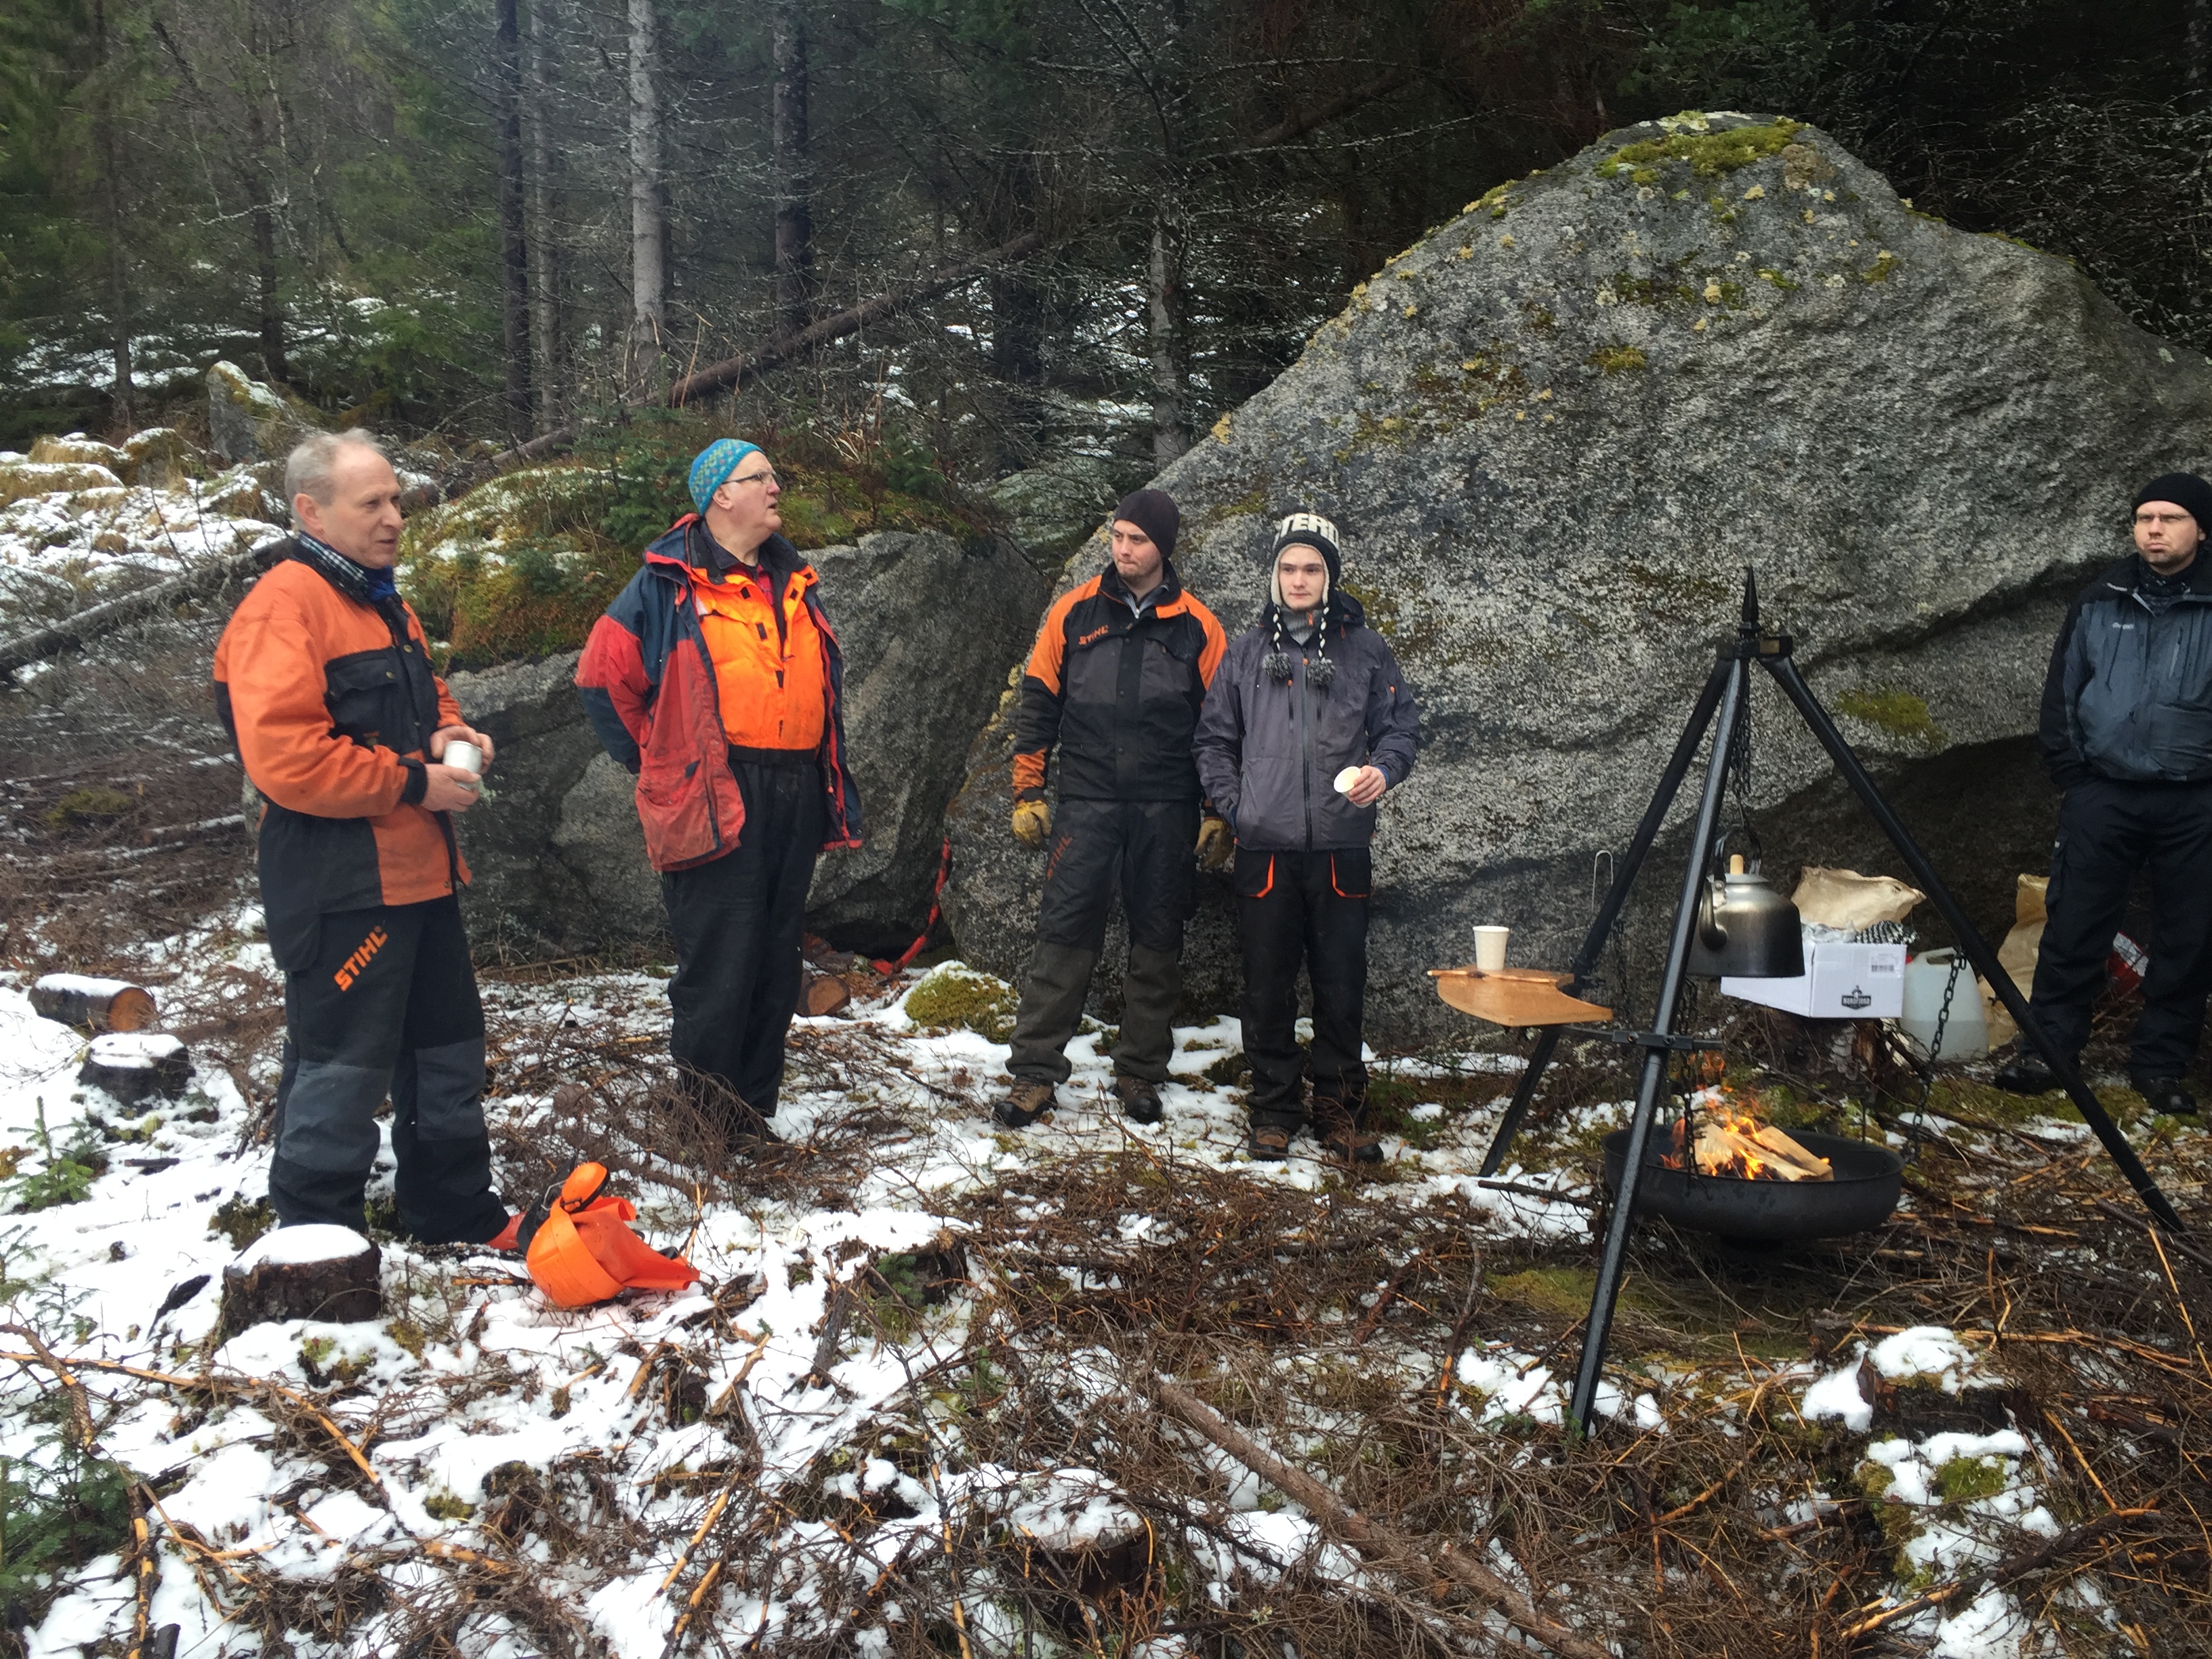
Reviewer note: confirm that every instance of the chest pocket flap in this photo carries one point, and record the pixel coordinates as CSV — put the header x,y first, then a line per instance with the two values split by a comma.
x,y
365,692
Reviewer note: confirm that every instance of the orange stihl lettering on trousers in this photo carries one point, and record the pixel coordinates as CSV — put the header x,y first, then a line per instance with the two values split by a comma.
x,y
361,957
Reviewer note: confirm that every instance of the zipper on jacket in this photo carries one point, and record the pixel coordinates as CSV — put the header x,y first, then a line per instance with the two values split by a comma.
x,y
1305,745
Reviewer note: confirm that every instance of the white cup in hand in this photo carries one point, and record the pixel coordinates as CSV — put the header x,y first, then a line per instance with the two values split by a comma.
x,y
464,756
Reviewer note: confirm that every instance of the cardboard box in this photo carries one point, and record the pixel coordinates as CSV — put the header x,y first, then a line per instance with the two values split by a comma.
x,y
1842,981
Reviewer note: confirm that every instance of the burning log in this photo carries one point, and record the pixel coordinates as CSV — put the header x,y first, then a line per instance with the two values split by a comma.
x,y
1731,1143
102,1005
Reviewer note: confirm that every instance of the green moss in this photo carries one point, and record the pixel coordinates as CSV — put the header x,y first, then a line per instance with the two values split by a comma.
x,y
447,1507
1565,1291
1891,709
241,1222
1231,1071
84,805
1963,1480
1883,263
1617,359
1493,201
955,995
1768,274
1709,154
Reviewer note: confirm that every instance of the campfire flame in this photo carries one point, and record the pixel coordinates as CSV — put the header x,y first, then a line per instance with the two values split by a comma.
x,y
1734,1144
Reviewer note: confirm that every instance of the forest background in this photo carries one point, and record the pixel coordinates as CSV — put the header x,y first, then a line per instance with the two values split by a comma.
x,y
983,232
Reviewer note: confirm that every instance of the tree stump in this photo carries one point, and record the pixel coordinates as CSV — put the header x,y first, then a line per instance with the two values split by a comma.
x,y
303,1272
102,1005
137,1066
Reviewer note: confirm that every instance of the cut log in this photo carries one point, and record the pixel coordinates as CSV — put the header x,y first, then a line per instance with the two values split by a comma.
x,y
137,1066
1720,1148
303,1272
1815,1167
100,1004
824,993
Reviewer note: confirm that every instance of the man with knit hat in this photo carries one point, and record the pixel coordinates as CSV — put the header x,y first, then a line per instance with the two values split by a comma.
x,y
2127,733
1115,682
716,679
1307,723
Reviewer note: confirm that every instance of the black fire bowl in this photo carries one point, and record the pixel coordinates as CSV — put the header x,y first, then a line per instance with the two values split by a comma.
x,y
1868,1181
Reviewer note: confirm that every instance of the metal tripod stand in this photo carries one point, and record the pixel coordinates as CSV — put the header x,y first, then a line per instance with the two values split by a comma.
x,y
1727,693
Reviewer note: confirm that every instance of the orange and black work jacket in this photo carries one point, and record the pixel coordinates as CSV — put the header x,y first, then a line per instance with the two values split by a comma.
x,y
699,662
326,691
1118,689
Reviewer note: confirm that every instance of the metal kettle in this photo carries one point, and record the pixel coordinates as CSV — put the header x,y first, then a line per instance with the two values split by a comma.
x,y
1744,929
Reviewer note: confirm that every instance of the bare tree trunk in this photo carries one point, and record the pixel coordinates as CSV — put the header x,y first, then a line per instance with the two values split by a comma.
x,y
648,265
513,246
268,297
111,188
2197,48
547,345
1170,420
794,187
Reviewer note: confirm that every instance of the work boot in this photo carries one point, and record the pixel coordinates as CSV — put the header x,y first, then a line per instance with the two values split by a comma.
x,y
1270,1142
1140,1101
2026,1075
1336,1126
1024,1103
2165,1094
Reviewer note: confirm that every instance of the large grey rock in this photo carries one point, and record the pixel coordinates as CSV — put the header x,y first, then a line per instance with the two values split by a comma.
x,y
1556,430
249,421
928,630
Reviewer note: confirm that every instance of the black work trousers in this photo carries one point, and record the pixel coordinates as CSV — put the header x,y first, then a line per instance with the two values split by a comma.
x,y
2107,830
1309,908
1143,847
386,1006
738,922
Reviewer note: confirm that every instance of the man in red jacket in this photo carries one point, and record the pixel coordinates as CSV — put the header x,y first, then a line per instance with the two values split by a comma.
x,y
714,678
322,680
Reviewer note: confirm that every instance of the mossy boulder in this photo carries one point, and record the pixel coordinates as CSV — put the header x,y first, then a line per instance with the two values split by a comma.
x,y
1556,430
21,480
249,421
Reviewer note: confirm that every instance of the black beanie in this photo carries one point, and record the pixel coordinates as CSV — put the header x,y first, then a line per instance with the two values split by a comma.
x,y
1153,512
2186,491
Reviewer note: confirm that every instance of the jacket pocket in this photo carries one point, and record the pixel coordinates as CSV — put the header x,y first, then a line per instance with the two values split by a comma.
x,y
673,805
1255,874
364,692
1351,872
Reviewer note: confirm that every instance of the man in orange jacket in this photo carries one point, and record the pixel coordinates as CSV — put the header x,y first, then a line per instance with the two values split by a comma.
x,y
715,678
322,680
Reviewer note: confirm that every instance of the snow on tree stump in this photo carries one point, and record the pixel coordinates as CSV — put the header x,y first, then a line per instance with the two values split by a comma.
x,y
316,1271
100,1004
137,1066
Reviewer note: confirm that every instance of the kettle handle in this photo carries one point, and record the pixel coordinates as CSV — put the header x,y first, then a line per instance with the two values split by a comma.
x,y
1752,861
1712,893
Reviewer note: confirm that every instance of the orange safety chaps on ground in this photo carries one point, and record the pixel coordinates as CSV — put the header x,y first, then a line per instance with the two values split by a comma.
x,y
581,1249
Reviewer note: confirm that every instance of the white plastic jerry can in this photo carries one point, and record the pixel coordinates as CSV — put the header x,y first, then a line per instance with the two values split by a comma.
x,y
1966,1033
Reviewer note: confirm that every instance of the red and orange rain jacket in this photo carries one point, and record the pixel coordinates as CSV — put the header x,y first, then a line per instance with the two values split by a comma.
x,y
326,690
1119,691
673,702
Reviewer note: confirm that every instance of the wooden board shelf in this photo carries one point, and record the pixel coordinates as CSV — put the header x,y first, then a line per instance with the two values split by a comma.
x,y
1516,996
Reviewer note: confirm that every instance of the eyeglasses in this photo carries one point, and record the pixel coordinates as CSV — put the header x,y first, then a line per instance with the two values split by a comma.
x,y
2160,518
766,475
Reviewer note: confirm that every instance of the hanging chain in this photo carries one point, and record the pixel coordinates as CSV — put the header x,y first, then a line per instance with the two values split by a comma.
x,y
1935,1043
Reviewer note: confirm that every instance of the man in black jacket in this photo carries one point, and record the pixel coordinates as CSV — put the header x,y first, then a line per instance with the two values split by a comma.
x,y
1308,722
2127,733
1115,680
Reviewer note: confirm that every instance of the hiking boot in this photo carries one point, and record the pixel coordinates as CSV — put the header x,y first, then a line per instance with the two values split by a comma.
x,y
2165,1094
508,1239
1270,1142
1337,1127
1140,1101
1024,1103
2025,1076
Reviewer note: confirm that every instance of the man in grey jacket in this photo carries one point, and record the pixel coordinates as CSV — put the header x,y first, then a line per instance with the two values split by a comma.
x,y
2127,733
1306,723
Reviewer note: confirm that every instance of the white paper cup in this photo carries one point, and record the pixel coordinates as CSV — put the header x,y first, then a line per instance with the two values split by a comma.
x,y
465,755
1346,779
1490,948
